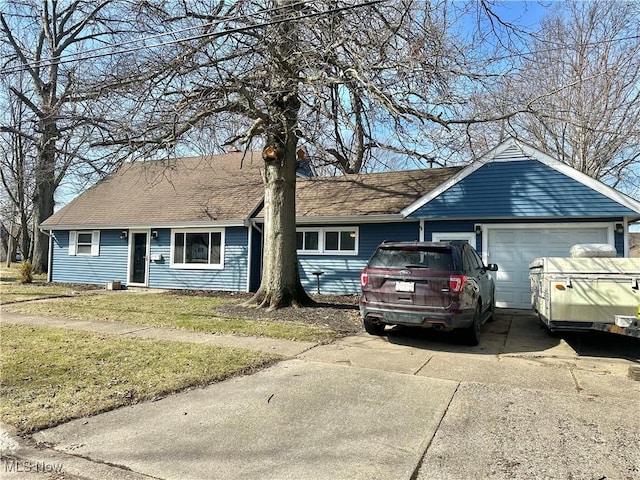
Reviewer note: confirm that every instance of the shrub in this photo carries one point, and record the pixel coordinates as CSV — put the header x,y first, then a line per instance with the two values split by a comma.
x,y
26,272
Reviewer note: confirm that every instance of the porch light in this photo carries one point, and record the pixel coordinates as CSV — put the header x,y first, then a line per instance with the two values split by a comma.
x,y
478,228
619,228
154,234
124,234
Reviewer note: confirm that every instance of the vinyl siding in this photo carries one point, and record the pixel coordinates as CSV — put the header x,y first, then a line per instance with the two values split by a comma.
x,y
525,188
110,265
232,278
342,272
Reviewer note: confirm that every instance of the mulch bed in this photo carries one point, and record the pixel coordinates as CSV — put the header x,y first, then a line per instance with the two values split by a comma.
x,y
338,312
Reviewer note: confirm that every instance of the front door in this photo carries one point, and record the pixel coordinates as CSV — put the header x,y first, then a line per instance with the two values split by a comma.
x,y
138,262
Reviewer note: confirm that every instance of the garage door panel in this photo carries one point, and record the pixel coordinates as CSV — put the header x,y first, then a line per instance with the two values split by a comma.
x,y
514,248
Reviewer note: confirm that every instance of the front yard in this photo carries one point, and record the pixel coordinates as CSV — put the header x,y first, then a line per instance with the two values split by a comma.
x,y
50,375
11,291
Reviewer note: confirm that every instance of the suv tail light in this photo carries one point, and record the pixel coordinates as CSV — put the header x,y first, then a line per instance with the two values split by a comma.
x,y
456,282
364,277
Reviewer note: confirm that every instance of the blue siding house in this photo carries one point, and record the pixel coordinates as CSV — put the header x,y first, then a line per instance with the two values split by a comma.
x,y
196,223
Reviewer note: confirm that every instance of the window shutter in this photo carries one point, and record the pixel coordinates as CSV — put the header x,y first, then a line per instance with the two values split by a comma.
x,y
72,242
95,243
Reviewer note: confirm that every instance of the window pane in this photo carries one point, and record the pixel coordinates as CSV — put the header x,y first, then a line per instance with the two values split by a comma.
x,y
348,240
83,249
331,241
178,248
299,240
214,257
84,238
311,240
196,248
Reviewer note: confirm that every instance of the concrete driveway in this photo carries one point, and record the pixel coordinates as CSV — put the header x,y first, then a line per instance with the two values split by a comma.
x,y
407,405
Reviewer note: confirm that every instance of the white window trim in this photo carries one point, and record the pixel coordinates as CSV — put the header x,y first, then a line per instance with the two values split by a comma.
x,y
470,237
95,243
198,266
321,234
320,241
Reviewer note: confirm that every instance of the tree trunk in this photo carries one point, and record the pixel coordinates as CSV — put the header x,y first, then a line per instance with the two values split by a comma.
x,y
280,285
43,201
43,209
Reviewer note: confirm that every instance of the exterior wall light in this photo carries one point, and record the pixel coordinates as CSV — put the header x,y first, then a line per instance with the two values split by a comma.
x,y
154,234
619,228
124,234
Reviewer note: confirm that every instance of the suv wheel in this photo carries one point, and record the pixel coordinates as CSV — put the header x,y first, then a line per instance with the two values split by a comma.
x,y
373,327
471,334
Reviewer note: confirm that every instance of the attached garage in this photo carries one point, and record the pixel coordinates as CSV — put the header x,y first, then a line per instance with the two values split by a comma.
x,y
513,247
515,204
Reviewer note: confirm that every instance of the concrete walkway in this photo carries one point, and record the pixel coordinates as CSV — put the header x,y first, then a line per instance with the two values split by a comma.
x,y
523,404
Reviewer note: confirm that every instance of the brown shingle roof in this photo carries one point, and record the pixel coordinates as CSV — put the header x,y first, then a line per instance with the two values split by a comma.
x,y
216,189
384,193
184,190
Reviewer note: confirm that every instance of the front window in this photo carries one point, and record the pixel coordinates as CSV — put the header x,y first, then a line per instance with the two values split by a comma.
x,y
308,241
84,243
198,249
83,247
341,241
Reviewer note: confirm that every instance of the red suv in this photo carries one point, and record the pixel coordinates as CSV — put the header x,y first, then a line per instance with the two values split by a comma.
x,y
427,284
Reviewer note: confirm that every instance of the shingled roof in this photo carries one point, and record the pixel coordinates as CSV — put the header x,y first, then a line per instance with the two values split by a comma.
x,y
207,190
384,193
217,189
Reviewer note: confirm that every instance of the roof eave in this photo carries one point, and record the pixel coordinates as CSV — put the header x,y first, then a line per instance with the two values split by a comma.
x,y
345,219
142,226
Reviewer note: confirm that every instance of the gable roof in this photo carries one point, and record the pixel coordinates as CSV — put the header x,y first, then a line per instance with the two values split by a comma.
x,y
594,196
217,189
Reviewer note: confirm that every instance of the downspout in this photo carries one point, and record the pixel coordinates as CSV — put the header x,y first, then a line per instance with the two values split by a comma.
x,y
249,254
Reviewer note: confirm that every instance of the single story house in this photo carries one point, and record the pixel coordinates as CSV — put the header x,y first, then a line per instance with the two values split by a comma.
x,y
196,223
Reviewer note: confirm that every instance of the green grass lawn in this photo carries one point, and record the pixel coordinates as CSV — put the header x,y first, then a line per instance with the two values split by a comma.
x,y
50,376
12,291
190,312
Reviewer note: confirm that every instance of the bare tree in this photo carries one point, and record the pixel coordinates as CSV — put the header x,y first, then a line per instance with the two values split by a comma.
x,y
17,177
299,71
44,40
580,86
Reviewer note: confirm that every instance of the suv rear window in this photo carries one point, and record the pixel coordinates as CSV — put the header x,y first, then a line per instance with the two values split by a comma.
x,y
431,258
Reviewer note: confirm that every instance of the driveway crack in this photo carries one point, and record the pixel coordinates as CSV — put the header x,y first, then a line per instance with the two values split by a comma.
x,y
416,470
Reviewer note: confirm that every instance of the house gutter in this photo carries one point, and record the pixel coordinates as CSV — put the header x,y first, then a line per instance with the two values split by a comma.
x,y
347,219
113,226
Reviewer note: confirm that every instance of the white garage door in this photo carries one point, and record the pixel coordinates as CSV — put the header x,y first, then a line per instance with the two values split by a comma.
x,y
514,248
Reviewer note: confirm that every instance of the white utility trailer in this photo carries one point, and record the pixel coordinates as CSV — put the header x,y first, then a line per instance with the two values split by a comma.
x,y
590,290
